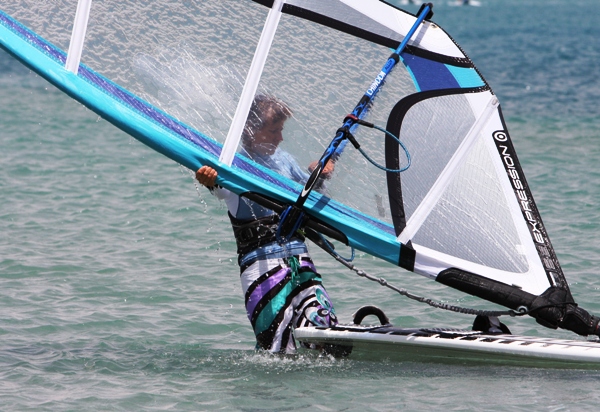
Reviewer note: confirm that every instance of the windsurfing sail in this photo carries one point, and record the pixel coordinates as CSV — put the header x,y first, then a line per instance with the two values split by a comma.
x,y
180,77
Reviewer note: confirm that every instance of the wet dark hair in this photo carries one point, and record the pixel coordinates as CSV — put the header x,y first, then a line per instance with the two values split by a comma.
x,y
265,109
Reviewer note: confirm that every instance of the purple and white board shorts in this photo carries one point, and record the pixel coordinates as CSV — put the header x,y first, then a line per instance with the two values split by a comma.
x,y
282,294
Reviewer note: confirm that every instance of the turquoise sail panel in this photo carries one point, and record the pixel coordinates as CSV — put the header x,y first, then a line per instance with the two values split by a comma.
x,y
467,77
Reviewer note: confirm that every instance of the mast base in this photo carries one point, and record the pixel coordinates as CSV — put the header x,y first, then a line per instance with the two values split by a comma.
x,y
555,308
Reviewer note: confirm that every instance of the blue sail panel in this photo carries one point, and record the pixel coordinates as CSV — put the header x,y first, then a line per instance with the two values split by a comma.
x,y
433,75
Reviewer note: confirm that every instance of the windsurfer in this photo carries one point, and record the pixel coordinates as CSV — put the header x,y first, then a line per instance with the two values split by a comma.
x,y
281,285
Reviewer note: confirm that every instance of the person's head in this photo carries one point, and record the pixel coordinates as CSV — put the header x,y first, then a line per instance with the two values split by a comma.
x,y
263,131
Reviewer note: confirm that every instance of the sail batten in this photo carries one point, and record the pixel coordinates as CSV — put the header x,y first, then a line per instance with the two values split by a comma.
x,y
232,141
78,36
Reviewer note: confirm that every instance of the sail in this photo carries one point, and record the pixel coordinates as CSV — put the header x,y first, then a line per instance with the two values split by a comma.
x,y
178,76
456,204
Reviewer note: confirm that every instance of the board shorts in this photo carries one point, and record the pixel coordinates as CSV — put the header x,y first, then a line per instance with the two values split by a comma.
x,y
283,293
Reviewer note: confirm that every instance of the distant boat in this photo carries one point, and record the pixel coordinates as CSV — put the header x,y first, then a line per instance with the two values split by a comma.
x,y
474,3
406,2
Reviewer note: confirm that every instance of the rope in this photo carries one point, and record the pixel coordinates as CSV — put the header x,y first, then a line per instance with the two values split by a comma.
x,y
430,302
350,136
366,156
326,246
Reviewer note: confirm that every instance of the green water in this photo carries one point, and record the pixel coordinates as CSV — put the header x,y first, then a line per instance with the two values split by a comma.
x,y
119,288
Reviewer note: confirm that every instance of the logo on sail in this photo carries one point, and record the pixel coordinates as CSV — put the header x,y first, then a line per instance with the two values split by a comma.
x,y
523,197
527,205
500,135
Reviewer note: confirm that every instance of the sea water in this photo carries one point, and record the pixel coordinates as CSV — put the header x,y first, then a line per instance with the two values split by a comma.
x,y
119,288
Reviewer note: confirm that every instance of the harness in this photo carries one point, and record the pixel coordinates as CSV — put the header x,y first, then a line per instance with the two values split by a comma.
x,y
255,233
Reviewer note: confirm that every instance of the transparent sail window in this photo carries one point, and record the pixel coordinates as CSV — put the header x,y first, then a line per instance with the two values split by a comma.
x,y
187,58
321,74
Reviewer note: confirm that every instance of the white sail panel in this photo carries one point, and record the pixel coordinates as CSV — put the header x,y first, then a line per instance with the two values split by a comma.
x,y
381,19
478,225
473,220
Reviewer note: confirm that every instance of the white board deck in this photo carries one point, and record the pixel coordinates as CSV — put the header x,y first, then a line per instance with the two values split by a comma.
x,y
455,346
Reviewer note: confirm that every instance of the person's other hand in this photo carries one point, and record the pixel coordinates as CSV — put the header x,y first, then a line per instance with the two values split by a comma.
x,y
327,170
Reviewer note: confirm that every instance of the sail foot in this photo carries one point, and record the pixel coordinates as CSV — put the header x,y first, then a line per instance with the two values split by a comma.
x,y
555,308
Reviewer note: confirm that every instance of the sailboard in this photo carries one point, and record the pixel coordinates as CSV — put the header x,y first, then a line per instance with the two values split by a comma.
x,y
451,346
488,342
181,76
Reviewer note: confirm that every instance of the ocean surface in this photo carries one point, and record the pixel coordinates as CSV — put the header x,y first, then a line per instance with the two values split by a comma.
x,y
119,287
